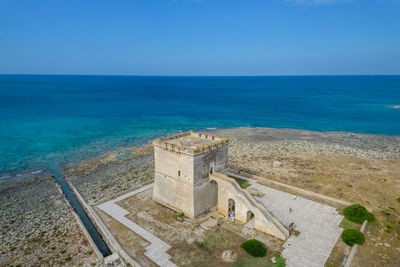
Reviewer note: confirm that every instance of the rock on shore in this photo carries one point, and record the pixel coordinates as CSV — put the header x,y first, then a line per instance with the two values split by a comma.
x,y
37,228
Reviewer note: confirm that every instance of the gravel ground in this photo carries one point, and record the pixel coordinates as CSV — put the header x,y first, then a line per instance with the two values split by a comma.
x,y
283,142
104,178
38,229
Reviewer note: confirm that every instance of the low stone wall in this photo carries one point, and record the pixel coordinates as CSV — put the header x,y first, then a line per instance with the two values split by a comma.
x,y
355,247
102,228
338,203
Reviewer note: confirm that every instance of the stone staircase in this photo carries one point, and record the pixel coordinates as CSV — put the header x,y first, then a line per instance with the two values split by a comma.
x,y
272,225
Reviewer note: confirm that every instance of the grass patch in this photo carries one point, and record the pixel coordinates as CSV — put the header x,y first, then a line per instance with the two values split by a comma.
x,y
261,262
347,224
280,262
398,199
243,183
358,214
352,237
215,240
254,247
386,213
296,233
103,187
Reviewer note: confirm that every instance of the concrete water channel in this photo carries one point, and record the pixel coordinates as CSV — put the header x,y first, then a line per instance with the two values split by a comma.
x,y
91,229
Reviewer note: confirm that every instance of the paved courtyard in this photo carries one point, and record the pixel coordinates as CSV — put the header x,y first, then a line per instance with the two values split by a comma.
x,y
317,223
157,250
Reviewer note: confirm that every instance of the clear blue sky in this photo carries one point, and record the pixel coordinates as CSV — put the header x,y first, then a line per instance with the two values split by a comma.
x,y
200,37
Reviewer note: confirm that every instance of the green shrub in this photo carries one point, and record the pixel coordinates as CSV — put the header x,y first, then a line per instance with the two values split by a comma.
x,y
280,262
358,214
254,248
386,213
352,237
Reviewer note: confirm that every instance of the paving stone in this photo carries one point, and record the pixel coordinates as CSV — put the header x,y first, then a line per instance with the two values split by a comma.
x,y
155,251
317,223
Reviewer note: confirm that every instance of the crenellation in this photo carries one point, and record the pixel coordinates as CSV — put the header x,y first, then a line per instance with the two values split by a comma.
x,y
187,180
176,143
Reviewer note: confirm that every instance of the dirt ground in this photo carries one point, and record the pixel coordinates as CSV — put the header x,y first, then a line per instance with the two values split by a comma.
x,y
373,181
358,168
192,244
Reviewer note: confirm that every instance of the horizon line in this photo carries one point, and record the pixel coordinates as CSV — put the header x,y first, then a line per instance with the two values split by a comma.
x,y
155,75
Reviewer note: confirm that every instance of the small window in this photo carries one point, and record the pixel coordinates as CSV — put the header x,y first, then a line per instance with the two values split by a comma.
x,y
179,173
211,170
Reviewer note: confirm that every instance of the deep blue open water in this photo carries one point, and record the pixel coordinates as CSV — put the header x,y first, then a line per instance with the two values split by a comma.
x,y
66,118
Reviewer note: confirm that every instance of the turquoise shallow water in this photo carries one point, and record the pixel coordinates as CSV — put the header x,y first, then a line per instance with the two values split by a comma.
x,y
67,118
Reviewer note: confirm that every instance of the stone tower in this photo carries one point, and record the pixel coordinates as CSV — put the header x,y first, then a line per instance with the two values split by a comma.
x,y
183,163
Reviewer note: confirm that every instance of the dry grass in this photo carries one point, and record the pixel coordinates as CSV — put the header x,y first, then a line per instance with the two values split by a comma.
x,y
374,183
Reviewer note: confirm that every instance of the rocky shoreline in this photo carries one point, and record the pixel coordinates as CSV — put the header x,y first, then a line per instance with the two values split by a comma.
x,y
34,214
102,178
39,229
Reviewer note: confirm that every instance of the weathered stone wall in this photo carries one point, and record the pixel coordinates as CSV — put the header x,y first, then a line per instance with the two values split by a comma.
x,y
205,196
181,179
171,189
217,159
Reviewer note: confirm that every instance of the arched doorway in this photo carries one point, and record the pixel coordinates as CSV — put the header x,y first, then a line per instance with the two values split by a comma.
x,y
250,215
231,208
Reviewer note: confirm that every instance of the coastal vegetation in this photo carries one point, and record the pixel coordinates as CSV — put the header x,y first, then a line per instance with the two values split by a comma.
x,y
254,248
357,168
352,237
358,214
37,227
243,183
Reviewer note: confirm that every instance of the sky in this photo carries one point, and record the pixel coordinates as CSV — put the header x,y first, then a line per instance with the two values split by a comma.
x,y
200,37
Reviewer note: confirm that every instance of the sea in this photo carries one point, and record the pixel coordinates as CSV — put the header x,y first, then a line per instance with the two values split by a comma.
x,y
62,119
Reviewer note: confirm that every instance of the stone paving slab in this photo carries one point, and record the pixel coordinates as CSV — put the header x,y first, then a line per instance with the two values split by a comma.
x,y
156,251
210,223
317,223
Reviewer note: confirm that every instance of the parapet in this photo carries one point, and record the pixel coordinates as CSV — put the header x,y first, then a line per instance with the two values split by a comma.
x,y
191,143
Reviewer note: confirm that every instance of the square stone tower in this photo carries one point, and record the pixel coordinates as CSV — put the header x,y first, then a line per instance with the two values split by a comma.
x,y
183,163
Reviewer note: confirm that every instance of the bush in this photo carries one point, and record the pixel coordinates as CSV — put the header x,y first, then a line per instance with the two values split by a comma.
x,y
358,214
254,248
352,237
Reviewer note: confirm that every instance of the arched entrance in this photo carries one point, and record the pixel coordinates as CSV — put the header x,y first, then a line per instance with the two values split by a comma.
x,y
250,215
231,208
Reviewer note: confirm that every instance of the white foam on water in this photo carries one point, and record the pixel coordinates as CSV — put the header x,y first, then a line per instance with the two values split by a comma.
x,y
36,172
395,106
5,177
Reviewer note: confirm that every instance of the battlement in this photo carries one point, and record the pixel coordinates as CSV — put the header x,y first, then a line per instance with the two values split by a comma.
x,y
191,143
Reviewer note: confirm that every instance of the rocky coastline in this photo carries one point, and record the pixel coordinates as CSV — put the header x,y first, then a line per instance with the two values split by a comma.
x,y
38,228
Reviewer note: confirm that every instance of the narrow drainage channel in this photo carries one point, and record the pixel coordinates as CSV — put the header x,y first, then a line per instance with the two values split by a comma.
x,y
97,239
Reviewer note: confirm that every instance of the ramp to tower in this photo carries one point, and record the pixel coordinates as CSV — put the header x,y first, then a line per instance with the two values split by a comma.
x,y
231,197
